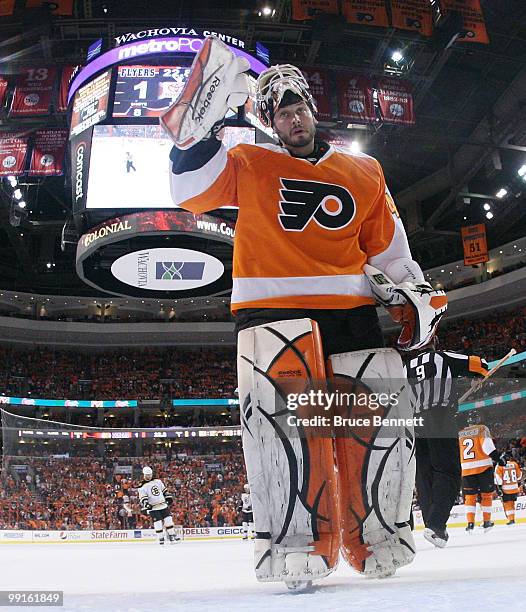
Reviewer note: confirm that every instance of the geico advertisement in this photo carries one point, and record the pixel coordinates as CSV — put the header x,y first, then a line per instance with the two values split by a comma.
x,y
117,535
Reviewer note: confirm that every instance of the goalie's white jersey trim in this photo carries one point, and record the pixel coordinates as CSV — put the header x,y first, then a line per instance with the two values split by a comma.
x,y
192,183
246,289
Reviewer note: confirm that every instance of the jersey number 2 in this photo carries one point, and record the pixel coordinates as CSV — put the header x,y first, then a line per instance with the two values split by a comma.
x,y
467,453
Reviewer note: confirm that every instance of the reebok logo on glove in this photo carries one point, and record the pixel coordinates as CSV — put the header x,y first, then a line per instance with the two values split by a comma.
x,y
207,98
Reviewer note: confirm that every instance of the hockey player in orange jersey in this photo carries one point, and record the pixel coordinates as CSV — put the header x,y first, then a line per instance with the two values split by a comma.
x,y
508,479
477,456
315,225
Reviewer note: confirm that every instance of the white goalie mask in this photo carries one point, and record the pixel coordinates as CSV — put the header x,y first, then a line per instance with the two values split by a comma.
x,y
246,488
271,87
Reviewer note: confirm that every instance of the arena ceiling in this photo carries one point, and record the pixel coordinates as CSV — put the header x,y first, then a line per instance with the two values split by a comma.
x,y
469,139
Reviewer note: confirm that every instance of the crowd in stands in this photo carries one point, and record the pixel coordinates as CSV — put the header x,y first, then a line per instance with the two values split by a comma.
x,y
129,374
90,492
172,373
76,493
85,491
490,337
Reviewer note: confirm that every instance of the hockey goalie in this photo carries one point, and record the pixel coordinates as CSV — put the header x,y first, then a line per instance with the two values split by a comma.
x,y
318,242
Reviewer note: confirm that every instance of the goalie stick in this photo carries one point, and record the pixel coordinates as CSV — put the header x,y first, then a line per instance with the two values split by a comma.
x,y
480,382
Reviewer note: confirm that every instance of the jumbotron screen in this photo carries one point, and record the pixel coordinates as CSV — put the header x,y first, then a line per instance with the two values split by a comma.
x,y
147,91
129,166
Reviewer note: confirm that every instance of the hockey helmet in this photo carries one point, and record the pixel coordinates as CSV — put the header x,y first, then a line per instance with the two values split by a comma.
x,y
147,473
419,316
272,86
247,488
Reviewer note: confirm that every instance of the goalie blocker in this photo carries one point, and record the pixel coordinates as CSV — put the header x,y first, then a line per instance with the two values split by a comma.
x,y
313,494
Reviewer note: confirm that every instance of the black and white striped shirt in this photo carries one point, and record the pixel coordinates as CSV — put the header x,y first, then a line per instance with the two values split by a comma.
x,y
431,377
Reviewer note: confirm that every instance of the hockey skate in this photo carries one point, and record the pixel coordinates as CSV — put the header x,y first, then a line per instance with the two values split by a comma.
x,y
487,525
470,528
173,539
511,522
298,586
437,537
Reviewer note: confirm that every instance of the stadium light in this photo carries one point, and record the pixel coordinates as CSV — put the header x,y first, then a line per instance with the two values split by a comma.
x,y
17,194
267,11
489,215
48,265
522,170
12,180
397,56
355,146
487,206
22,204
501,193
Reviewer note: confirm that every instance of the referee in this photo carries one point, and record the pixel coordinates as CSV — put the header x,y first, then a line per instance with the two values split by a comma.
x,y
434,390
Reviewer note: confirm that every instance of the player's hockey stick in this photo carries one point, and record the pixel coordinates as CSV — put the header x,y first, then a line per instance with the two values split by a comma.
x,y
480,382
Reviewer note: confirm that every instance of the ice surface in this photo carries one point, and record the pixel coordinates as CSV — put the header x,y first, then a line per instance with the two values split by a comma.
x,y
478,573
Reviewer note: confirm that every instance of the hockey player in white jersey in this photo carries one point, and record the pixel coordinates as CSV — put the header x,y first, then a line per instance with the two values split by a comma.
x,y
246,512
155,500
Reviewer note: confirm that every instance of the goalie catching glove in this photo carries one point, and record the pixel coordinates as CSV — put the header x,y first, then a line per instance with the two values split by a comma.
x,y
416,306
216,83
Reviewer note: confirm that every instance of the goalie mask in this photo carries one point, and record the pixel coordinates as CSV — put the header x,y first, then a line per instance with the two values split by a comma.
x,y
273,84
419,316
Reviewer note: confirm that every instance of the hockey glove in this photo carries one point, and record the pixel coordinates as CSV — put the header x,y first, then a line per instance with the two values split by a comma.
x,y
216,83
416,306
169,499
146,507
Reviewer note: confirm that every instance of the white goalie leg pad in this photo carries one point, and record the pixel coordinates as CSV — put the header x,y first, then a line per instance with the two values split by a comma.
x,y
292,479
376,466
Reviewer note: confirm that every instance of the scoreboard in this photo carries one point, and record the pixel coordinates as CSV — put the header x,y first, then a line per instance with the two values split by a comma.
x,y
147,91
135,240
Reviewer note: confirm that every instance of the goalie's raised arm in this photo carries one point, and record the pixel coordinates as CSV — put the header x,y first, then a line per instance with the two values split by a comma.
x,y
216,83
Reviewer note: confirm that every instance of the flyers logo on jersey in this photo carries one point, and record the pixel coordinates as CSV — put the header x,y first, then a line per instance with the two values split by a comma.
x,y
330,206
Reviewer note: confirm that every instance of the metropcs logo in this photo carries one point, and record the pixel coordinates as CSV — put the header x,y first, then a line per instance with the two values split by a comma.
x,y
167,269
330,206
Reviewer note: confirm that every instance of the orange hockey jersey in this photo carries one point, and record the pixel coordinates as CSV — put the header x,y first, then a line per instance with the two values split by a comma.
x,y
304,231
508,477
475,446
